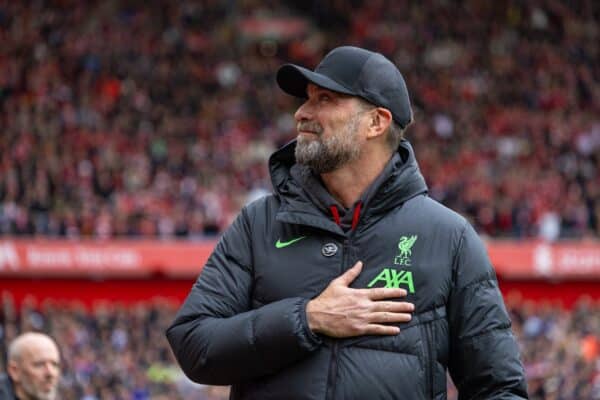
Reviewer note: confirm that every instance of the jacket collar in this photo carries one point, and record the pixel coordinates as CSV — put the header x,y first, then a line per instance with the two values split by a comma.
x,y
305,200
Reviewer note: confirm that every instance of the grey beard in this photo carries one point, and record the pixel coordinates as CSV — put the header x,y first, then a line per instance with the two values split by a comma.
x,y
324,156
327,155
37,394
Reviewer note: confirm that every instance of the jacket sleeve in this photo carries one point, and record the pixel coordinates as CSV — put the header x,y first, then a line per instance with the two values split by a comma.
x,y
484,355
218,338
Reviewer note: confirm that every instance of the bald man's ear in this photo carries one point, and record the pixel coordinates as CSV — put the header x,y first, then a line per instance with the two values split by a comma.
x,y
381,118
12,369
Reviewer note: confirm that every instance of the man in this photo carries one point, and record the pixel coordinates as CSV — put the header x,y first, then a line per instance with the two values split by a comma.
x,y
33,368
349,282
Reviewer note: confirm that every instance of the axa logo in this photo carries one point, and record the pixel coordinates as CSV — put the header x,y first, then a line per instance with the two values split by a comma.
x,y
394,279
405,245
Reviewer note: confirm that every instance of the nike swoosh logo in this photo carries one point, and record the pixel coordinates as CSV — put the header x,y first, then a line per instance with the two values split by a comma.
x,y
279,244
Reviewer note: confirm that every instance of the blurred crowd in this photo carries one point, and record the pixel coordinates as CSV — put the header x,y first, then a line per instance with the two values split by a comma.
x,y
560,349
116,352
112,352
128,118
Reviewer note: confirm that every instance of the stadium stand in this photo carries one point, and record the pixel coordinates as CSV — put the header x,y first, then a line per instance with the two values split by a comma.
x,y
114,351
154,121
110,351
123,120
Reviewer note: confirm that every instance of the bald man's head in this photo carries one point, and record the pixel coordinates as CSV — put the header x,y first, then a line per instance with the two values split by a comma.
x,y
34,366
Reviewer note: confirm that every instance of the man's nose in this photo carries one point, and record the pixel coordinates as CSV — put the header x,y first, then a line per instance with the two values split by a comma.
x,y
51,370
303,112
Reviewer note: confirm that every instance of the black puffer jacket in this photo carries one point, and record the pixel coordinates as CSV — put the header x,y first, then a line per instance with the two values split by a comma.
x,y
244,322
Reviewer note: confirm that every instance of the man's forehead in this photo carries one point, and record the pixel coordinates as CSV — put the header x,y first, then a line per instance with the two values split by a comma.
x,y
41,351
312,88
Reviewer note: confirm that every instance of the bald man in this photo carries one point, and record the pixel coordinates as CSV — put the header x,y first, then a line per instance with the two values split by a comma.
x,y
33,368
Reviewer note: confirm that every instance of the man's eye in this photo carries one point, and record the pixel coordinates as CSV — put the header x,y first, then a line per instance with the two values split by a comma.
x,y
324,97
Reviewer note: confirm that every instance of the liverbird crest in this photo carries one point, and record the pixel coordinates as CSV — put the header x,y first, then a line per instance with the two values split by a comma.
x,y
405,246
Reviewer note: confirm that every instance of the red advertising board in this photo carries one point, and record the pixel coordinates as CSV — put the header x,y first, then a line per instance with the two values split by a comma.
x,y
550,261
184,259
102,258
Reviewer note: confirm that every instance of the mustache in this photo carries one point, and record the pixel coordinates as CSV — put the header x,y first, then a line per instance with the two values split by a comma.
x,y
309,126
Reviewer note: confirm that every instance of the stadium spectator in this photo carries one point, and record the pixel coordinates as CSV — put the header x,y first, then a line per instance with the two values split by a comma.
x,y
33,368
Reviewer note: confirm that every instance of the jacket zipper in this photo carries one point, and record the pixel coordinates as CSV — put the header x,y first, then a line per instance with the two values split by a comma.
x,y
332,371
335,345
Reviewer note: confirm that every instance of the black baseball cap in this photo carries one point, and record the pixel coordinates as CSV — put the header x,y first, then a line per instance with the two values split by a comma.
x,y
357,72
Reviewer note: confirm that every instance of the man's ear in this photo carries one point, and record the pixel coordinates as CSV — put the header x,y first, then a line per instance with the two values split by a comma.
x,y
13,370
381,118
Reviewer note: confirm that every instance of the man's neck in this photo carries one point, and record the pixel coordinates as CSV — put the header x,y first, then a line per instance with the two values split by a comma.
x,y
20,394
349,182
